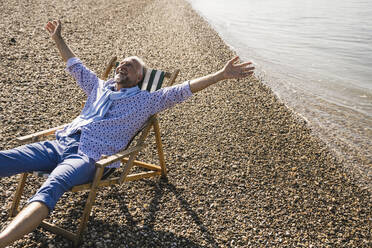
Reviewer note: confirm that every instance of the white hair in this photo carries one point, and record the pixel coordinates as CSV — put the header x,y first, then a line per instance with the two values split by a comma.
x,y
142,64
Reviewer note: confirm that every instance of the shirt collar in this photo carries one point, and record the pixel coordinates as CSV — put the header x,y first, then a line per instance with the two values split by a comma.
x,y
129,91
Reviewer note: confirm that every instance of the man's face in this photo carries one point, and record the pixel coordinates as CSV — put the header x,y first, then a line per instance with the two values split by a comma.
x,y
128,73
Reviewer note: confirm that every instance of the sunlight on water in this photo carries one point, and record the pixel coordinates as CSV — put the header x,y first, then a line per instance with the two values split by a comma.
x,y
328,44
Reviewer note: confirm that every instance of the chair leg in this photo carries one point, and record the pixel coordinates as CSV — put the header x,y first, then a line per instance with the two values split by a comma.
x,y
130,161
88,205
17,197
159,147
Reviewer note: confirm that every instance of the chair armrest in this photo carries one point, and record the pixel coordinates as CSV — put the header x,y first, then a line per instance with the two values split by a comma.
x,y
35,136
108,68
118,156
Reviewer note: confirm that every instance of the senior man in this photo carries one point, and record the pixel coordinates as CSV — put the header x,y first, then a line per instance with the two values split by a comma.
x,y
114,111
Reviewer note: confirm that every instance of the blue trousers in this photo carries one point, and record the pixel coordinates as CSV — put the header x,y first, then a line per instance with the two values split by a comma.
x,y
67,166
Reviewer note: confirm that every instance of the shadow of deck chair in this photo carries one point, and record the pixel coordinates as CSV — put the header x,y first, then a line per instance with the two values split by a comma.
x,y
153,80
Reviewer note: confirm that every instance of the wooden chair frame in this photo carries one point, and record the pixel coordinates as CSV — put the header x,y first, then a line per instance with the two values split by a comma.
x,y
126,156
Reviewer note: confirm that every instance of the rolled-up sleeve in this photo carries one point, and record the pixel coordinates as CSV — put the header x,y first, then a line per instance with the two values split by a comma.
x,y
84,77
168,97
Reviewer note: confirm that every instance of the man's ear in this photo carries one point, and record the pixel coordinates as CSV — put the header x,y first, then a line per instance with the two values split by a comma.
x,y
141,78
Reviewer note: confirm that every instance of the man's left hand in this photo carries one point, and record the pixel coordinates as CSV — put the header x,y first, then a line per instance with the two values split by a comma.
x,y
234,70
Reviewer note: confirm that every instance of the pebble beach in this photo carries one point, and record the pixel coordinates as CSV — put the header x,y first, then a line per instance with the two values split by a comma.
x,y
243,169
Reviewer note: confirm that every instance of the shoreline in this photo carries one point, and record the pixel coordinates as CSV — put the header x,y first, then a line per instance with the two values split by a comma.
x,y
342,128
244,171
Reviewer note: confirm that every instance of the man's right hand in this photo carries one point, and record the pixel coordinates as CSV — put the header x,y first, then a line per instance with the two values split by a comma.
x,y
54,29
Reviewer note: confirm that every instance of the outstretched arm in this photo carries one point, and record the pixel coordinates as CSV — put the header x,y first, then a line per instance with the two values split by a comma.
x,y
231,70
85,78
54,28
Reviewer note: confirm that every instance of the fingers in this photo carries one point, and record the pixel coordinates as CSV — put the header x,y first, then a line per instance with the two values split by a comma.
x,y
53,27
50,24
49,27
243,64
233,60
235,70
245,71
53,24
248,69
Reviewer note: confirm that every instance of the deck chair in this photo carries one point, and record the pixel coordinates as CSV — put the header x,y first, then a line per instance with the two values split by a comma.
x,y
152,81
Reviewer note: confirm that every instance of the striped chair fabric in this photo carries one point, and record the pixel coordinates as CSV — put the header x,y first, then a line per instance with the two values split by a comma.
x,y
152,81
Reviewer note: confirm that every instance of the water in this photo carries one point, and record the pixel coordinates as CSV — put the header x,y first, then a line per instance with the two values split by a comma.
x,y
316,55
